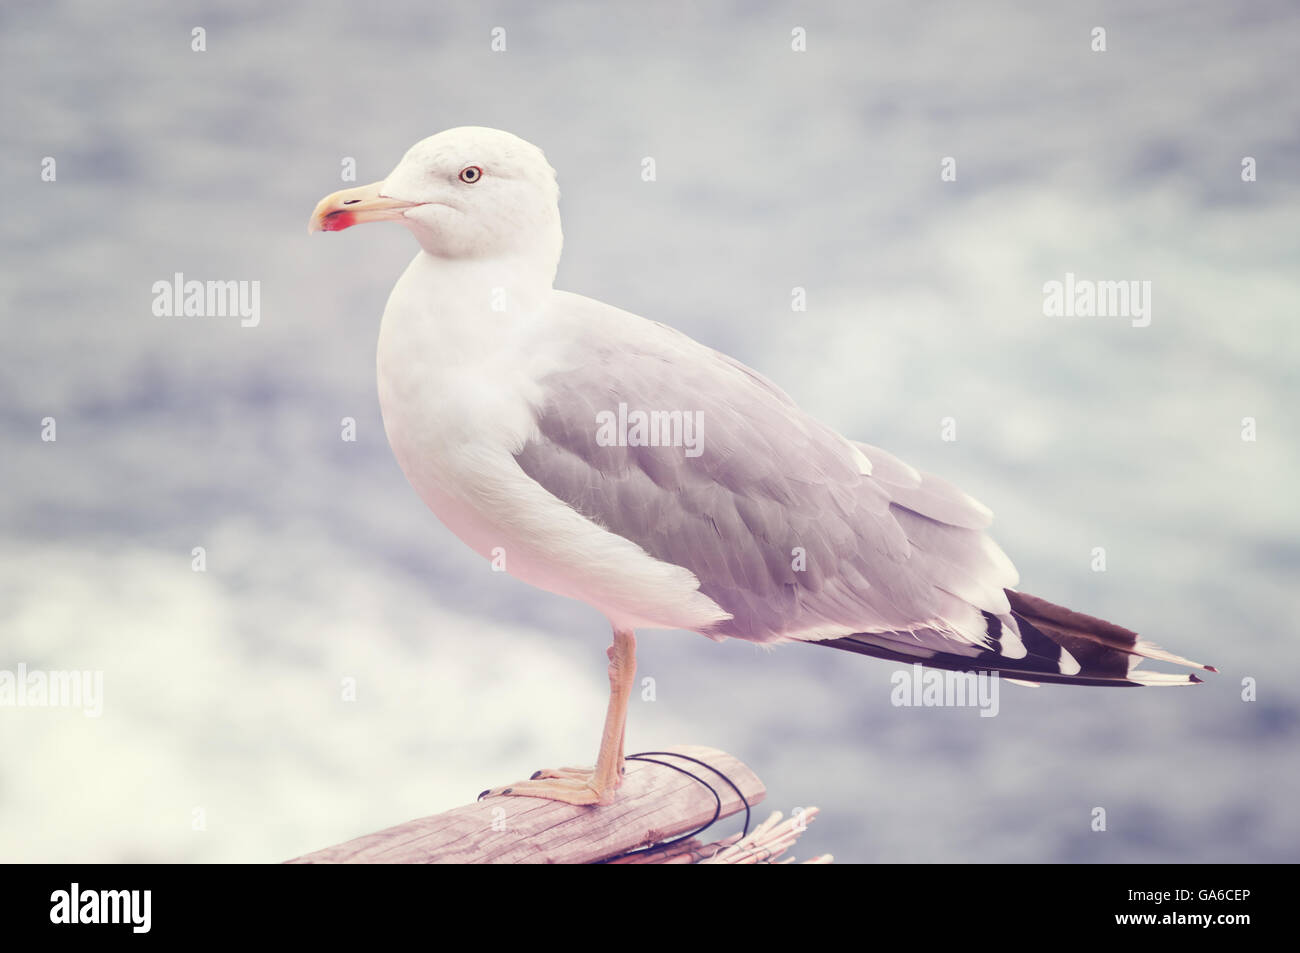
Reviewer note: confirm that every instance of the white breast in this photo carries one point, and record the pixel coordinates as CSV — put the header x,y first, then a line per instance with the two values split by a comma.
x,y
458,381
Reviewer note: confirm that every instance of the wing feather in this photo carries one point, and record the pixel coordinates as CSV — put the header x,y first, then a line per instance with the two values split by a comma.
x,y
775,516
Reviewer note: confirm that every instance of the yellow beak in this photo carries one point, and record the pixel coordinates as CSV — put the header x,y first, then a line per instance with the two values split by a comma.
x,y
354,206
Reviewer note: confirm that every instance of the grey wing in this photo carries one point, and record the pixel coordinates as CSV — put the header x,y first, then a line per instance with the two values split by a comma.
x,y
774,515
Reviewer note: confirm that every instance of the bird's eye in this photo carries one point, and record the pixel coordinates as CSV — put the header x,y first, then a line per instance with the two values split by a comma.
x,y
471,174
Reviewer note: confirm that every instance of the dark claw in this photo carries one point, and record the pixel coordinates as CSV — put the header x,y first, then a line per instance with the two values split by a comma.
x,y
483,795
535,775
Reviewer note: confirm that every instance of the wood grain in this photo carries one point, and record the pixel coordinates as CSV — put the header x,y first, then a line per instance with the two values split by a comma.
x,y
654,804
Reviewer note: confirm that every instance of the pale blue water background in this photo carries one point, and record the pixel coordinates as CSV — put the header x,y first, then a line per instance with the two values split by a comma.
x,y
775,170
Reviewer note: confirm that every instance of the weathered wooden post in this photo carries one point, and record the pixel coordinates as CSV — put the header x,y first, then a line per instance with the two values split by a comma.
x,y
655,804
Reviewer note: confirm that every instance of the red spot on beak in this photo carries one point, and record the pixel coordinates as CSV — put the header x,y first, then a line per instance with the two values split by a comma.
x,y
337,221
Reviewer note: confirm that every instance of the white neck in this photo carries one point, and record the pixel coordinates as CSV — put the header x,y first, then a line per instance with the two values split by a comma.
x,y
464,309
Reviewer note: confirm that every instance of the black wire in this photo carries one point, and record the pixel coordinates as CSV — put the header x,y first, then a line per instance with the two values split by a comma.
x,y
717,810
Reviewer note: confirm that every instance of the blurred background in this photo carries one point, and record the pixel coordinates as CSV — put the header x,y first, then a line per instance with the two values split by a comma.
x,y
225,735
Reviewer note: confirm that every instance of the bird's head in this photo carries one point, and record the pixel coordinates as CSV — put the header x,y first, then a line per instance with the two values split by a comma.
x,y
468,192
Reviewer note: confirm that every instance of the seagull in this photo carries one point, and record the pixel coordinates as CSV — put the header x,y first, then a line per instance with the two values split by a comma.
x,y
612,459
